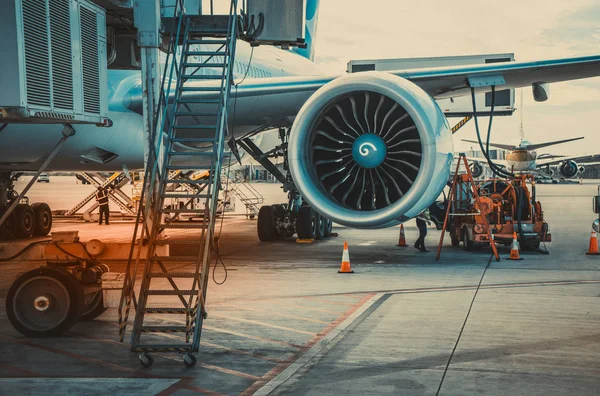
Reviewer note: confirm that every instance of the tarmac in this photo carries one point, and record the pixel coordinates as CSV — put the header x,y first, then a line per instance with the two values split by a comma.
x,y
285,322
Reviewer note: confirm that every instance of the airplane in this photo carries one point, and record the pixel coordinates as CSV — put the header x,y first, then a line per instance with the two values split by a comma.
x,y
522,158
365,150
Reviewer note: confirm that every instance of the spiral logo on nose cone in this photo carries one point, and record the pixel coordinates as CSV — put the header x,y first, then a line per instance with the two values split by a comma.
x,y
363,149
369,150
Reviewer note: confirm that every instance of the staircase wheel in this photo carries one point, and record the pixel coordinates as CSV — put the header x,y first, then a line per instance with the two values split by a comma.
x,y
146,360
189,360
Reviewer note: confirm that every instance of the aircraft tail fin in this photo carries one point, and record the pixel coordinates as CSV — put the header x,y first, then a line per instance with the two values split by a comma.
x,y
312,17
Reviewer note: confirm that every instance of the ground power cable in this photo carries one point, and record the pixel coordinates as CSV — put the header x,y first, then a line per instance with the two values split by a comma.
x,y
218,258
463,325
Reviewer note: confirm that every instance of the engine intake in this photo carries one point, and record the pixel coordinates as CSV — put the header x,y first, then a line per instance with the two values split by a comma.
x,y
568,169
370,150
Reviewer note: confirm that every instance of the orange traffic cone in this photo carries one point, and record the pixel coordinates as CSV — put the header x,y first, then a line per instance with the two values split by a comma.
x,y
593,244
514,249
345,267
402,238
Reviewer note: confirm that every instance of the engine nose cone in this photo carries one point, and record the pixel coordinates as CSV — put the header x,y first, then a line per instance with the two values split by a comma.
x,y
369,150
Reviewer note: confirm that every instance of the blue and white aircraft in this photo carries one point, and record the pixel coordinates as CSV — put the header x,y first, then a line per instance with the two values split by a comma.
x,y
366,150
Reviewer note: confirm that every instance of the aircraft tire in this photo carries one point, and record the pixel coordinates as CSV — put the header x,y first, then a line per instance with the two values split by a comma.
x,y
25,220
306,224
321,226
43,219
44,302
265,224
328,228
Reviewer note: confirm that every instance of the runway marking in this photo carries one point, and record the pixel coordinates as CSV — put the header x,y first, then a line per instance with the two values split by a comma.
x,y
170,357
17,370
256,322
95,361
284,371
276,313
329,301
252,337
306,307
186,383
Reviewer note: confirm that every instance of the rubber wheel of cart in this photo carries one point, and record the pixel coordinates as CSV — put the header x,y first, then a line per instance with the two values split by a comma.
x,y
44,302
467,243
94,307
43,219
266,224
8,230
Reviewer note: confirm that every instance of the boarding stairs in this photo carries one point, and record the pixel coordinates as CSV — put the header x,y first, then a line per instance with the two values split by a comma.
x,y
187,81
247,194
113,185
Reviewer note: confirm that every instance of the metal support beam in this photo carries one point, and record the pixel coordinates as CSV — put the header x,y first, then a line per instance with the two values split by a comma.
x,y
67,132
255,152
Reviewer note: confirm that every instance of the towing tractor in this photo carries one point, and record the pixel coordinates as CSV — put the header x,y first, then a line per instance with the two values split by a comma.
x,y
509,206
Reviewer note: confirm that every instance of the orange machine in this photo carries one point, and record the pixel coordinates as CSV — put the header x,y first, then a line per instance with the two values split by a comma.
x,y
508,205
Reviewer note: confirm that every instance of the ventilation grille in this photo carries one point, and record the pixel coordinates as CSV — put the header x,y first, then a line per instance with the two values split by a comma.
x,y
37,57
89,58
62,67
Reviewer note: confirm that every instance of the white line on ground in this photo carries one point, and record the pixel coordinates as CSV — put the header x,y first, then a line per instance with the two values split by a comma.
x,y
307,356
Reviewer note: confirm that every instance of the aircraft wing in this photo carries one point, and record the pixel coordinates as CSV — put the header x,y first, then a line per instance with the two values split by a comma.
x,y
587,159
546,144
497,145
483,161
446,82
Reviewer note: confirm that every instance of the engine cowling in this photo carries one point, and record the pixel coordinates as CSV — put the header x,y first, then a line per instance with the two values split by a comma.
x,y
568,169
476,170
581,169
370,150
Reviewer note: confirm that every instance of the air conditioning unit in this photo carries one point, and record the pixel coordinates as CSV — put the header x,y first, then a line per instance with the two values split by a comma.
x,y
53,67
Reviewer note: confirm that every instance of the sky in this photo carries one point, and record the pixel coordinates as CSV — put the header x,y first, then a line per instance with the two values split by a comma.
x,y
531,29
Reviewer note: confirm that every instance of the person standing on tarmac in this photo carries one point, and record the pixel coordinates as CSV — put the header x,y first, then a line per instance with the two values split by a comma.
x,y
102,199
423,220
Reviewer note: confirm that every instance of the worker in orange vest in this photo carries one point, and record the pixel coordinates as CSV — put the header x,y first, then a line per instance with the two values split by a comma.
x,y
102,199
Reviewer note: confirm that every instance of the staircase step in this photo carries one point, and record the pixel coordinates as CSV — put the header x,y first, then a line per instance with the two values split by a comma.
x,y
205,53
163,310
191,114
183,211
171,292
203,65
187,167
185,195
183,225
191,153
192,140
200,89
174,274
187,181
202,77
177,242
162,348
163,329
207,41
200,101
196,126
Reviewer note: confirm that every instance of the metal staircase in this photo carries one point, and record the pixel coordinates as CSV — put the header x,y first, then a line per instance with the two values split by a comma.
x,y
189,138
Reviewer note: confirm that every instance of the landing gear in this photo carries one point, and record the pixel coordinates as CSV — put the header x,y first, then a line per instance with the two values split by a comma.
x,y
267,231
25,220
44,302
307,224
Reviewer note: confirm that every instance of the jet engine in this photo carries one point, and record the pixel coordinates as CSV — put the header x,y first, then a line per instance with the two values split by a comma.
x,y
476,170
370,150
568,169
